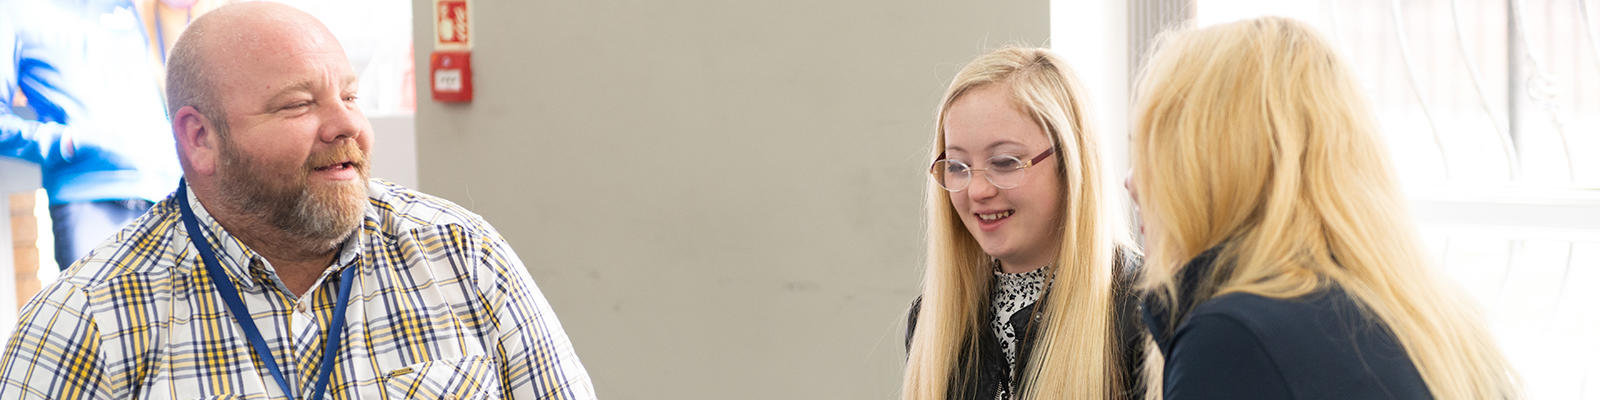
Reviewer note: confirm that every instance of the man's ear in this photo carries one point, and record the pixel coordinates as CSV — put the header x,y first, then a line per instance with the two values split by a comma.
x,y
198,144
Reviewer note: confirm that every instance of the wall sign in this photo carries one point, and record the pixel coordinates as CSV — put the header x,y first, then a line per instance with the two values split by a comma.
x,y
450,65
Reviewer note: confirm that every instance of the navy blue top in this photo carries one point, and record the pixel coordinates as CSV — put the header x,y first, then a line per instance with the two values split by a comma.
x,y
1244,346
86,69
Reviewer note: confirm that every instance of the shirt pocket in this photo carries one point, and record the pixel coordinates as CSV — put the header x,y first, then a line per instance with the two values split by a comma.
x,y
465,378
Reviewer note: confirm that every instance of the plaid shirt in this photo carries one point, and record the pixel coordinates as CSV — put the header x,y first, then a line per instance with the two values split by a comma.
x,y
441,308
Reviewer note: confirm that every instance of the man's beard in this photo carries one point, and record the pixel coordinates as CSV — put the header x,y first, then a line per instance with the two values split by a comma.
x,y
323,216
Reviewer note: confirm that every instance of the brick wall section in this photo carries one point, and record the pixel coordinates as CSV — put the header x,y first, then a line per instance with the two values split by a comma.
x,y
24,242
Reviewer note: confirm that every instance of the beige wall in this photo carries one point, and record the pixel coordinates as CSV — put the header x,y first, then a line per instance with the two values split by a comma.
x,y
721,199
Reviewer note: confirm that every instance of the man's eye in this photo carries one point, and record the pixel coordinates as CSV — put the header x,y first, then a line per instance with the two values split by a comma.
x,y
292,106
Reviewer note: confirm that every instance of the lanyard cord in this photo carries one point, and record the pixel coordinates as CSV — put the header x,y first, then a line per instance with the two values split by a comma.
x,y
241,314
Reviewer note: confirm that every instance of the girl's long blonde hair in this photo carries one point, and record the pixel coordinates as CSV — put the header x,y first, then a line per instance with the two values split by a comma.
x,y
1253,137
1074,356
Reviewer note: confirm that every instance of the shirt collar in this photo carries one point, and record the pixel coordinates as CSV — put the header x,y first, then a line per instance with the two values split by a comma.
x,y
238,260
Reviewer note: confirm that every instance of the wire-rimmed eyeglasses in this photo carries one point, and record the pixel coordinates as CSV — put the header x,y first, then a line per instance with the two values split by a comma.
x,y
1004,171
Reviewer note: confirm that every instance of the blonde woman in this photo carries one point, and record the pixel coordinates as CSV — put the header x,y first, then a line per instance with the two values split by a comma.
x,y
1023,295
1282,261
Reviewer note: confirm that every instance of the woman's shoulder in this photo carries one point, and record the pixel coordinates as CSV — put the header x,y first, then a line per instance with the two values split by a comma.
x,y
1258,308
1324,310
911,320
1128,297
1282,323
1321,342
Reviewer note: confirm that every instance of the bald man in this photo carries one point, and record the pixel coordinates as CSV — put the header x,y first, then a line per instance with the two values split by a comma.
x,y
278,268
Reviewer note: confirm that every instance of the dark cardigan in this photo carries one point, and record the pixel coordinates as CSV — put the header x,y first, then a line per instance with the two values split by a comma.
x,y
990,372
1243,346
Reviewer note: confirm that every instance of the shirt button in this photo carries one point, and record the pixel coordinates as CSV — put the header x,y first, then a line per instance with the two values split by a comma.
x,y
301,308
450,397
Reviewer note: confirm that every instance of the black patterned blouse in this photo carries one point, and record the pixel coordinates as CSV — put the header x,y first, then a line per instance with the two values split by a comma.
x,y
1013,292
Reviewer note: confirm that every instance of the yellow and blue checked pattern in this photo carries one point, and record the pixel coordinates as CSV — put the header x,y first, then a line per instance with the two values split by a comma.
x,y
441,308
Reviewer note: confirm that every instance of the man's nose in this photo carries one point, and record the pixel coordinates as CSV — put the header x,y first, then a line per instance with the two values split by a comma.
x,y
344,120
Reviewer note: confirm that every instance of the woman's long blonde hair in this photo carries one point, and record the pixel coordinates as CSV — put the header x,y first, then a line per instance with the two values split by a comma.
x,y
1074,355
1253,137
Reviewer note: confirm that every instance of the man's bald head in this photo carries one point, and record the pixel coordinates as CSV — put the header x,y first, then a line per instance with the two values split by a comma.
x,y
263,112
204,57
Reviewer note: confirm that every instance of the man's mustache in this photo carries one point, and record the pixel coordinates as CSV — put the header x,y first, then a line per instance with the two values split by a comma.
x,y
345,152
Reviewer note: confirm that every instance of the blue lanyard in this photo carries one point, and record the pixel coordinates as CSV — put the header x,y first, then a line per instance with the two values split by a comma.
x,y
219,279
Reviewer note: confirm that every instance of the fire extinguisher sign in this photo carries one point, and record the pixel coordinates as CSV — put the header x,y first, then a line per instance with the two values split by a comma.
x,y
450,64
452,25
